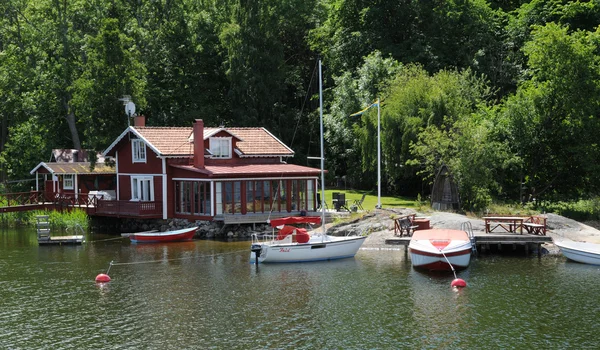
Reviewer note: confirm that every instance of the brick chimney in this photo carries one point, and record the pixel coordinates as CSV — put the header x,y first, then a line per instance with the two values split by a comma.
x,y
199,143
139,120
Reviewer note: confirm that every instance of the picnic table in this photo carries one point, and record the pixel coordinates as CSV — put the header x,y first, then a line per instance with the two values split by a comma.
x,y
508,224
533,225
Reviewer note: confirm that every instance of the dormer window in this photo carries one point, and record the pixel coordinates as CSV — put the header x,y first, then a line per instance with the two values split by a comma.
x,y
138,150
220,147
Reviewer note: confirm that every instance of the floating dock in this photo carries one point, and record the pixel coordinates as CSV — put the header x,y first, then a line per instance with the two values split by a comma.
x,y
44,237
485,242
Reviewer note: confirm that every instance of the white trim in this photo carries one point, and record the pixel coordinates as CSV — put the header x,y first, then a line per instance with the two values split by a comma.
x,y
140,187
228,140
136,133
117,173
278,140
247,178
138,146
139,174
72,186
212,198
75,178
164,188
264,156
42,164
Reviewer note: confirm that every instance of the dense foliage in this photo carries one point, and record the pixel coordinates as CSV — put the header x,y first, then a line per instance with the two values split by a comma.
x,y
505,93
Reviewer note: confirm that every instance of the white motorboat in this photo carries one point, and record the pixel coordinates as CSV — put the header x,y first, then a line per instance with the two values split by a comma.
x,y
440,249
583,252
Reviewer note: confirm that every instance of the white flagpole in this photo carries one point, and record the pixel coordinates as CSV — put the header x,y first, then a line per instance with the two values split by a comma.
x,y
378,154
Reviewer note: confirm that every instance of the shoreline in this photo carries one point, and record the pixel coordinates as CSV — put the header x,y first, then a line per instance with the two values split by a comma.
x,y
380,225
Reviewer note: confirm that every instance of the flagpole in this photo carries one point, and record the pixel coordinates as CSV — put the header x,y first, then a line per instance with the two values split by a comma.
x,y
378,154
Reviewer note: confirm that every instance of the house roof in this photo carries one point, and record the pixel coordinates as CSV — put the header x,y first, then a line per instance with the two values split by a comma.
x,y
80,168
252,170
178,141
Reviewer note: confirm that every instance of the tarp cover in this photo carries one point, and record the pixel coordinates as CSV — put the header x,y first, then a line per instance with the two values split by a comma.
x,y
296,220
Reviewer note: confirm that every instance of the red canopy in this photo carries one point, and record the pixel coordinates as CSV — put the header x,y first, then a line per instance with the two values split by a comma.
x,y
296,220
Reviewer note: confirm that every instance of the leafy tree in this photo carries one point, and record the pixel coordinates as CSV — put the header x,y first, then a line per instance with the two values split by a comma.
x,y
552,119
23,151
353,140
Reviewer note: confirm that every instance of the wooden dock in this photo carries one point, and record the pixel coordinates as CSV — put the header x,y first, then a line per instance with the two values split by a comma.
x,y
44,237
485,242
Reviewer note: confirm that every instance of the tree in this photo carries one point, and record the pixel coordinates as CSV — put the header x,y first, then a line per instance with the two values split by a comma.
x,y
553,120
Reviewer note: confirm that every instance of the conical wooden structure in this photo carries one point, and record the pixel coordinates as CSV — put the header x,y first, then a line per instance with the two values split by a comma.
x,y
444,194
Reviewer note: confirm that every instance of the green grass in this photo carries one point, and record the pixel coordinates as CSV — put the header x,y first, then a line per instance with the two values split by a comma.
x,y
371,200
58,220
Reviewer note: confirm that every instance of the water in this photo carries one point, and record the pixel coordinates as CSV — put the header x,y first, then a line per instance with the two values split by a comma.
x,y
205,295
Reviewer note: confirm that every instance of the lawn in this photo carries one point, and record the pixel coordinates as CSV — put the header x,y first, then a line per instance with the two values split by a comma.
x,y
371,200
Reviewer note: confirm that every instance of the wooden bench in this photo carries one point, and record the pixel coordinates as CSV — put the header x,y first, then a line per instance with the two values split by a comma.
x,y
535,225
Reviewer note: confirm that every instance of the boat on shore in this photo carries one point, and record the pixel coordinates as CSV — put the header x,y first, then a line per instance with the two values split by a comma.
x,y
294,244
185,234
582,252
440,249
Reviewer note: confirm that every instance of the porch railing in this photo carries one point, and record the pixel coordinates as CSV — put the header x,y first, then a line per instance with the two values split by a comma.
x,y
21,198
129,208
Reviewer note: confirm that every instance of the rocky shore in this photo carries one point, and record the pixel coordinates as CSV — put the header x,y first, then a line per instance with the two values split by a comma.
x,y
379,224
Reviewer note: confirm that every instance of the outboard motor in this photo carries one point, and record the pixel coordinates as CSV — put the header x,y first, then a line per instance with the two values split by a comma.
x,y
256,249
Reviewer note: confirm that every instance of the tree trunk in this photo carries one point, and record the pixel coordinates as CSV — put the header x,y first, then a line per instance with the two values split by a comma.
x,y
70,117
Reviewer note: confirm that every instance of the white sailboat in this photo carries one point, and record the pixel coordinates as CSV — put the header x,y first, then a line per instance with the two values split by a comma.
x,y
295,244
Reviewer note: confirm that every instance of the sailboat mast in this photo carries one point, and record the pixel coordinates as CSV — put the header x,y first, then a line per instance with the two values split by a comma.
x,y
322,149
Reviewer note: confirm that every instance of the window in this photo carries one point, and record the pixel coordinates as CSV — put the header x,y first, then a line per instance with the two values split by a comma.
x,y
138,151
142,189
220,147
68,183
192,197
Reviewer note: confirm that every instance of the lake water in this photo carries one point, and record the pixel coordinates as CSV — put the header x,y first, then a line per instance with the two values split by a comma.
x,y
205,295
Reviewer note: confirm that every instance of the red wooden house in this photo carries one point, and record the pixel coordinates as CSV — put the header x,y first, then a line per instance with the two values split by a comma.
x,y
202,173
70,173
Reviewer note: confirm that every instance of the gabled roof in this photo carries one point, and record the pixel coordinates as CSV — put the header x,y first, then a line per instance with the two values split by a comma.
x,y
177,141
74,168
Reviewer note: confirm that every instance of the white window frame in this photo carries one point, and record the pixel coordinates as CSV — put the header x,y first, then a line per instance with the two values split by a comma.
x,y
68,182
143,185
215,142
138,151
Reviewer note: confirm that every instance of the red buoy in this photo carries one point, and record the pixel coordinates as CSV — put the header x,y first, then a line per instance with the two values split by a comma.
x,y
458,283
102,278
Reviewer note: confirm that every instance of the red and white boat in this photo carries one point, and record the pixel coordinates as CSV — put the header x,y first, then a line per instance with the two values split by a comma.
x,y
294,244
185,234
436,249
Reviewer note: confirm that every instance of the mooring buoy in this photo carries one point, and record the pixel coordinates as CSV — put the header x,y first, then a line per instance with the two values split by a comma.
x,y
458,283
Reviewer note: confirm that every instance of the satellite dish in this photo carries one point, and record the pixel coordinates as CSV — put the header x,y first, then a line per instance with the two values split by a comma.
x,y
130,108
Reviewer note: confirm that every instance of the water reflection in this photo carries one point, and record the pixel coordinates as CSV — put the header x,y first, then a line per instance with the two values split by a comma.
x,y
206,294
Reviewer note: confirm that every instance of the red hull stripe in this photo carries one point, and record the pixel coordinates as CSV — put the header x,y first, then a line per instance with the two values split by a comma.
x,y
420,252
439,266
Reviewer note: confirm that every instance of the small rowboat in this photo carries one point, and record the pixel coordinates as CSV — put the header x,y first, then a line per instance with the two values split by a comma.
x,y
185,234
586,253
